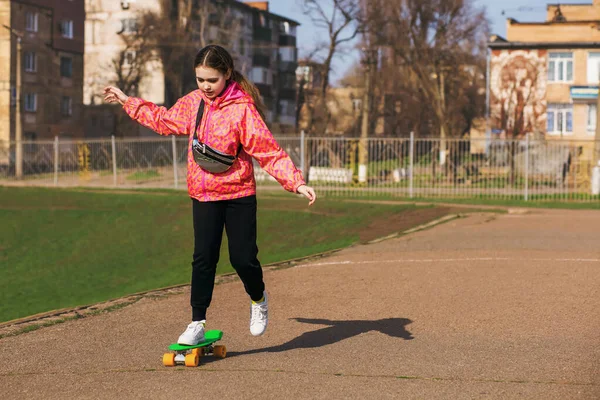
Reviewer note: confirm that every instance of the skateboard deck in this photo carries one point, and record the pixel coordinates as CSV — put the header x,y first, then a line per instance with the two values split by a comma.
x,y
190,355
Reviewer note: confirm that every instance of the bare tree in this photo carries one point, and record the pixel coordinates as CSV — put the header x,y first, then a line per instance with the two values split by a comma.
x,y
131,65
435,41
339,18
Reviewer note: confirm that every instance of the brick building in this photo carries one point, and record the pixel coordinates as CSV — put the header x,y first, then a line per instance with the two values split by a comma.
x,y
50,80
544,75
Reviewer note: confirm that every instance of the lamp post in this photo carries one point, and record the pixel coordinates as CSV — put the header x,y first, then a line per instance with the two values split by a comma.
x,y
597,133
18,124
369,59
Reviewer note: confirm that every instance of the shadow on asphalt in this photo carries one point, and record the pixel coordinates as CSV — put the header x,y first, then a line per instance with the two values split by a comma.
x,y
334,332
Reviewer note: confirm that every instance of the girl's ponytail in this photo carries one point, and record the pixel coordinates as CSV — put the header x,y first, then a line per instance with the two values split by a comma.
x,y
250,89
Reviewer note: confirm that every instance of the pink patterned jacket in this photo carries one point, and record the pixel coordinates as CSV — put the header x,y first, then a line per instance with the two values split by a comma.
x,y
230,120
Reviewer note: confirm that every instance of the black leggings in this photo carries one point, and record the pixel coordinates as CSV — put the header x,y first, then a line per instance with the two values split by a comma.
x,y
238,216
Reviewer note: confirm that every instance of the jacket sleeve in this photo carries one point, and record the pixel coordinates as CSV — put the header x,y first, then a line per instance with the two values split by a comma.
x,y
258,142
162,121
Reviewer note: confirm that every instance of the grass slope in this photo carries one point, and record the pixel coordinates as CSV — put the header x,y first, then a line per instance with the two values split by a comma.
x,y
62,247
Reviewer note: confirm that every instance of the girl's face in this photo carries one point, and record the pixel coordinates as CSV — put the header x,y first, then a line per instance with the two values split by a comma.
x,y
211,81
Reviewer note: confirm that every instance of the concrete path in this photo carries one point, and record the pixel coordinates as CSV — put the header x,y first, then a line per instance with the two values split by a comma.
x,y
482,307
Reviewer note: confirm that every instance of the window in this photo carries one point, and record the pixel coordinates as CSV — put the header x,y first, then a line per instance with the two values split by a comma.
x,y
30,61
591,118
288,28
287,54
30,102
287,107
263,21
593,67
126,3
261,75
560,119
303,72
66,67
560,67
13,96
31,22
287,81
128,25
129,58
29,138
66,106
66,28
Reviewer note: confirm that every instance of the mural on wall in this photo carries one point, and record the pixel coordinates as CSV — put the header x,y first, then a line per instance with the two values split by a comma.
x,y
518,92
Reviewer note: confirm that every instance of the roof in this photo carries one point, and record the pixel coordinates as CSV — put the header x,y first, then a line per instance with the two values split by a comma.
x,y
543,45
568,5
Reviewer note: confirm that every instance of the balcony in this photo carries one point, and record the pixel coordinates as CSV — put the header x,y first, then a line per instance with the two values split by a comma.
x,y
261,60
287,94
262,34
265,90
288,66
287,41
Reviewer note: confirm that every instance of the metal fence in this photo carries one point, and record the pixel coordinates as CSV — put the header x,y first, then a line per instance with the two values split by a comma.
x,y
400,167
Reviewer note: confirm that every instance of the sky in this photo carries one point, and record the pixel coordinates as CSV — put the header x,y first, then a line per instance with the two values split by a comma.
x,y
308,35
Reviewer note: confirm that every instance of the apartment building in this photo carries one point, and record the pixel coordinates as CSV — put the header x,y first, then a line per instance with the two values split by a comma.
x,y
264,49
274,62
544,75
41,64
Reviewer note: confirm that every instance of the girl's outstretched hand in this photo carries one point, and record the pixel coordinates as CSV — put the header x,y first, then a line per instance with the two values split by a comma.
x,y
308,192
114,95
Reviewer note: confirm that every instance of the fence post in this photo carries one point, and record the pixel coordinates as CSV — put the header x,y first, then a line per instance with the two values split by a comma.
x,y
114,159
174,143
55,160
302,152
412,160
526,167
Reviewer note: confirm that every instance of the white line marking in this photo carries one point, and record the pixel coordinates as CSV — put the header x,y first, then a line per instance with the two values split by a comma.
x,y
431,260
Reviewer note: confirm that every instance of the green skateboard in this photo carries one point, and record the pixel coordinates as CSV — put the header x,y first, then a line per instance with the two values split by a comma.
x,y
190,355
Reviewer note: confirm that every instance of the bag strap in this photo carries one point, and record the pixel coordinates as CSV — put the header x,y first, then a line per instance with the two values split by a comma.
x,y
199,117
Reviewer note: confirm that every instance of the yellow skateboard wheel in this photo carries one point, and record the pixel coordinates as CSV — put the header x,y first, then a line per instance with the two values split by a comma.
x,y
220,351
198,351
169,360
192,360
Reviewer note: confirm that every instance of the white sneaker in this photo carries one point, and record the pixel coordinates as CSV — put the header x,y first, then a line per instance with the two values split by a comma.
x,y
259,317
193,335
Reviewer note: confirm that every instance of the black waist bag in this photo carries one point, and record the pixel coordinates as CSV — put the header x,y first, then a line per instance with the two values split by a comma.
x,y
205,156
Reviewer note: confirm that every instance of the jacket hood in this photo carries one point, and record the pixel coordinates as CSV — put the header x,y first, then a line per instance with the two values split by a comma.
x,y
232,94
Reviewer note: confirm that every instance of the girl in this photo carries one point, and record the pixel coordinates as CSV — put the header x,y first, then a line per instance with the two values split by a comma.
x,y
225,115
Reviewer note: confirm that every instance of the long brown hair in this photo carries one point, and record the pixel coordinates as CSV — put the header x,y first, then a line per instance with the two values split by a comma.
x,y
216,57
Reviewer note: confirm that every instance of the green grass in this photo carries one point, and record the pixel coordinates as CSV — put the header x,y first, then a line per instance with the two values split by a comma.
x,y
534,202
64,248
508,201
586,202
143,175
